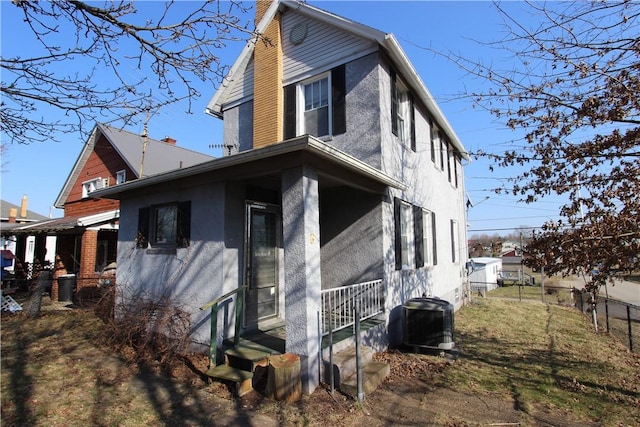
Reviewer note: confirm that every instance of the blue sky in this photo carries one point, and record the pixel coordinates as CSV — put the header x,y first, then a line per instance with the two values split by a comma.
x,y
39,170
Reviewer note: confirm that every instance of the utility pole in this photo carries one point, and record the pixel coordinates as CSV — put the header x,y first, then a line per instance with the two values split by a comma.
x,y
145,137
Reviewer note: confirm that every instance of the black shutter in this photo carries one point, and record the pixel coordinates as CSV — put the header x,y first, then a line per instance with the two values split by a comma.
x,y
338,96
418,236
398,232
434,234
412,113
290,111
142,239
183,226
455,169
432,137
394,104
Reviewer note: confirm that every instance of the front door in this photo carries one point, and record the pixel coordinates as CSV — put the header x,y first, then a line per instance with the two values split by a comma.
x,y
261,269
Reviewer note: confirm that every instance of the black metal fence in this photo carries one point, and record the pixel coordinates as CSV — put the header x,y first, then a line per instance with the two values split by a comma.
x,y
618,318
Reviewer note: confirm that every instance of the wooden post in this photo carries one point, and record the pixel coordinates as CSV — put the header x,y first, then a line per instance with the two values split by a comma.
x,y
283,381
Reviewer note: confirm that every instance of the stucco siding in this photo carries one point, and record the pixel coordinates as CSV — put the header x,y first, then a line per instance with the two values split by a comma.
x,y
238,128
191,276
362,139
351,237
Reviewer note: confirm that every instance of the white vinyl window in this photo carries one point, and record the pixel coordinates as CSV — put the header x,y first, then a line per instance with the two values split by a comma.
x,y
92,185
315,105
404,113
406,233
454,241
121,177
427,237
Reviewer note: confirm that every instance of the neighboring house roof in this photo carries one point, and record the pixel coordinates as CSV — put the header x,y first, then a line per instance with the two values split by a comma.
x,y
5,208
485,260
62,224
388,43
332,163
158,156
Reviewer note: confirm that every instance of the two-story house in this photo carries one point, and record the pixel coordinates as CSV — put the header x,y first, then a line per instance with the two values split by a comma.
x,y
345,183
84,241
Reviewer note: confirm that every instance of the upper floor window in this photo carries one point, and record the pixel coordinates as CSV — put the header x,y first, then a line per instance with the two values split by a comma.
x,y
449,157
402,112
314,101
316,106
456,169
94,184
121,177
433,138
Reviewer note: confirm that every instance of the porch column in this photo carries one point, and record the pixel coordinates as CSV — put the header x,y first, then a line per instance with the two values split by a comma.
x,y
302,284
88,249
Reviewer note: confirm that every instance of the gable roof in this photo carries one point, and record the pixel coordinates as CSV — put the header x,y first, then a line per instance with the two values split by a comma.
x,y
386,41
5,208
158,157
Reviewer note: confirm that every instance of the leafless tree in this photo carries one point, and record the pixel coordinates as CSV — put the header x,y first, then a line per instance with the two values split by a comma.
x,y
573,93
84,54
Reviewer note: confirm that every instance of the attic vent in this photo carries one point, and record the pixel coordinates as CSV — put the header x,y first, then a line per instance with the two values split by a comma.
x,y
298,33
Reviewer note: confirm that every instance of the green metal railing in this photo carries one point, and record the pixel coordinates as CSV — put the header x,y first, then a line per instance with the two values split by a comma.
x,y
213,345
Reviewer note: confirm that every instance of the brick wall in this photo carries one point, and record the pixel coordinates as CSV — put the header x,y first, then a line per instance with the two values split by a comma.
x,y
90,207
88,254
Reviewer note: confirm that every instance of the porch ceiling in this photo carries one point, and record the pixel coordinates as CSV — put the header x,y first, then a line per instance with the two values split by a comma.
x,y
333,166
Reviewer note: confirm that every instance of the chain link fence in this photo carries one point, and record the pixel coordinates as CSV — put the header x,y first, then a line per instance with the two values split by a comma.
x,y
618,318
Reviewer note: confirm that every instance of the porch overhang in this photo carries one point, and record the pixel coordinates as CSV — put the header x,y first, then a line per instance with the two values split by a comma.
x,y
103,220
331,164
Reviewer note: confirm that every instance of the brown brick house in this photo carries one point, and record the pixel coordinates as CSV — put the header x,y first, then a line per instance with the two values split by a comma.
x,y
87,235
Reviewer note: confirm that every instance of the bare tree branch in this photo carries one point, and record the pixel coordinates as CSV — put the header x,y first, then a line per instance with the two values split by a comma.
x,y
573,92
99,61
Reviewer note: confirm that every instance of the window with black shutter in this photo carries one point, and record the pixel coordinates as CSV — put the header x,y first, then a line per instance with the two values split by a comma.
x,y
321,101
166,225
402,112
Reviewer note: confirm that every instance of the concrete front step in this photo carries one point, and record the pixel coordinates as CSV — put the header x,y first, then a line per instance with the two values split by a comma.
x,y
344,363
373,374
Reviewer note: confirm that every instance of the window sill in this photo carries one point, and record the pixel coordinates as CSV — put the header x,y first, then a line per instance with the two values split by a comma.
x,y
162,251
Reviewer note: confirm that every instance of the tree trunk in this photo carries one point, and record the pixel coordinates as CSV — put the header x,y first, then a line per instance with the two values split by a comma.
x,y
283,381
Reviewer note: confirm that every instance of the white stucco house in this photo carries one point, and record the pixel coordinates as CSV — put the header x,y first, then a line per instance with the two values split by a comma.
x,y
344,180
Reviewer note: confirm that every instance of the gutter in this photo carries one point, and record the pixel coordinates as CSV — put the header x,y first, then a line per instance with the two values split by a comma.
x,y
300,144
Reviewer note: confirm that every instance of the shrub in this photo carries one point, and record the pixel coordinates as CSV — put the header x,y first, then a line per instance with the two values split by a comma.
x,y
149,330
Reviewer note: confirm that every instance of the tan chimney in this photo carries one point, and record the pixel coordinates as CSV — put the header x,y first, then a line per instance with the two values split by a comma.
x,y
268,98
23,206
169,140
13,213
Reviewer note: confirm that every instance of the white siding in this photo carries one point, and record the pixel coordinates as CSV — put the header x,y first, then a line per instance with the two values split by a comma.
x,y
324,47
243,86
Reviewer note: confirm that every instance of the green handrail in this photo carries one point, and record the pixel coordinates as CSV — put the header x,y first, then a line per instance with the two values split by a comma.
x,y
213,344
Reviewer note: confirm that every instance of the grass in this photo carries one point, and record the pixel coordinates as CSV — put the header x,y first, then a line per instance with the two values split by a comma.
x,y
545,358
554,292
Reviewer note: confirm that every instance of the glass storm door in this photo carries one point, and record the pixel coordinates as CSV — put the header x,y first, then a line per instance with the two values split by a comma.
x,y
261,263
